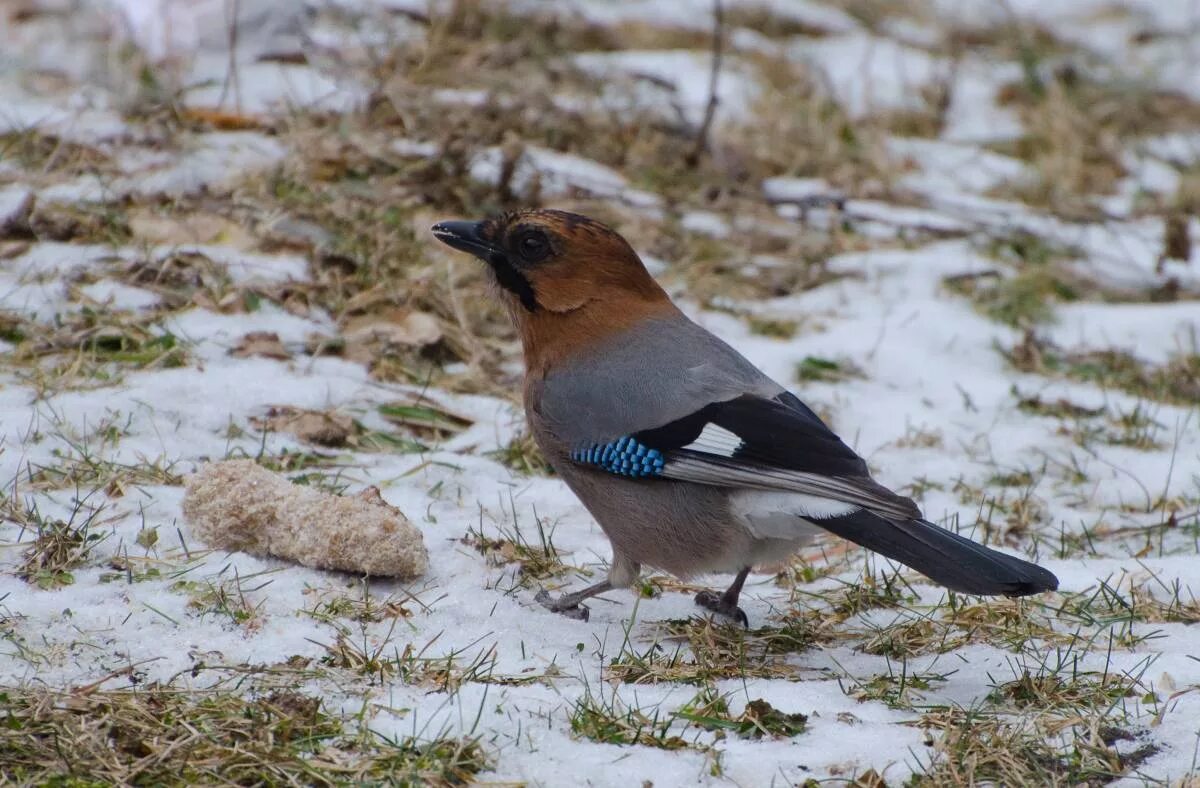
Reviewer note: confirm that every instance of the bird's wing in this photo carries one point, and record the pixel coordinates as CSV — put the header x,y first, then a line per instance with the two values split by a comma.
x,y
750,442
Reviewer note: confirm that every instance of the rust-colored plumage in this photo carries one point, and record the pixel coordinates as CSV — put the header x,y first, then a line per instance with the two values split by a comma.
x,y
589,285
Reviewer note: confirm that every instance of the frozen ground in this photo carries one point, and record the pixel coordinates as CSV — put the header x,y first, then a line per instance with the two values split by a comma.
x,y
139,248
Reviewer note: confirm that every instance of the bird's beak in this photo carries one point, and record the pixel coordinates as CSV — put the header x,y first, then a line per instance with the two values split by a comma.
x,y
466,237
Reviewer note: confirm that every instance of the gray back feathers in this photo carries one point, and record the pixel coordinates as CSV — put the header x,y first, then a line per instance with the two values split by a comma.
x,y
661,370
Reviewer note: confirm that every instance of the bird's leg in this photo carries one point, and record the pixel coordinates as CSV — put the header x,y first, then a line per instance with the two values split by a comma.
x,y
727,603
569,604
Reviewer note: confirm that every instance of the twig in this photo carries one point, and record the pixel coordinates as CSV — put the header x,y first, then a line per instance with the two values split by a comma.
x,y
88,689
710,109
232,12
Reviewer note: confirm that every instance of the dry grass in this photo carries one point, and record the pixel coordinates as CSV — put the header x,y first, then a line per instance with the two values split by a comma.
x,y
533,560
1175,382
1077,126
90,348
523,456
161,736
59,546
799,130
975,747
1074,156
701,650
47,154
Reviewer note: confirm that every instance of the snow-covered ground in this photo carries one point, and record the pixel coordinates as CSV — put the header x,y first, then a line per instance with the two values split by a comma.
x,y
1101,483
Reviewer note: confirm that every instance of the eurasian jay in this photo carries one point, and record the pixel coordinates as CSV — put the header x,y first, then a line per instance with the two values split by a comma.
x,y
690,458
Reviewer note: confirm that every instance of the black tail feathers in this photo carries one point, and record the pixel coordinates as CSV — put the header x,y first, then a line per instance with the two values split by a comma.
x,y
943,556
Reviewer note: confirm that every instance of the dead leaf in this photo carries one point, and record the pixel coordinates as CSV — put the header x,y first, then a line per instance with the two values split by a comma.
x,y
261,343
869,779
192,228
11,249
324,428
291,232
220,120
393,326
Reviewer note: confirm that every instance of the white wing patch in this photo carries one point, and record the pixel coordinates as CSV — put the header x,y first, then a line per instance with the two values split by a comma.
x,y
768,514
716,440
855,492
763,502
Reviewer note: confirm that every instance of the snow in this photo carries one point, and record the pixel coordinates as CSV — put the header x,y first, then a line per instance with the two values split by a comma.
x,y
13,200
784,189
1180,149
557,175
1072,18
954,167
1121,254
930,364
266,88
698,14
247,268
1148,176
870,74
177,28
50,260
210,161
418,149
820,16
1143,39
216,159
705,223
1154,332
118,296
973,114
893,216
70,120
466,97
677,79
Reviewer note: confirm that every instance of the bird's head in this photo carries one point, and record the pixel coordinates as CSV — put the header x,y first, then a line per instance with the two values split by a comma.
x,y
565,278
552,261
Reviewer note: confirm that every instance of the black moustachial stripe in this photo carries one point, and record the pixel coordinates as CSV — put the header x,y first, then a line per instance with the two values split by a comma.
x,y
513,280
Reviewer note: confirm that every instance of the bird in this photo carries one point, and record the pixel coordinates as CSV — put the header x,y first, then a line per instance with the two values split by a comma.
x,y
690,458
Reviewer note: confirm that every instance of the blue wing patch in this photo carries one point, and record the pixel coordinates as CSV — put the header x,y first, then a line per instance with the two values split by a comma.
x,y
624,457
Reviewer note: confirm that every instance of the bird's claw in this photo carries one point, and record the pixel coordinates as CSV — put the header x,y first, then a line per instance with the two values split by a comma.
x,y
576,611
710,600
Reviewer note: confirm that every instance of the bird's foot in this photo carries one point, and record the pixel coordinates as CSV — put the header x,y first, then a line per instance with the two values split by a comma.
x,y
719,603
566,605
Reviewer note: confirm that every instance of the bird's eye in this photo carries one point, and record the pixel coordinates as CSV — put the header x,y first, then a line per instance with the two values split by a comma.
x,y
533,246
